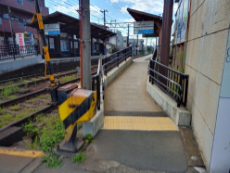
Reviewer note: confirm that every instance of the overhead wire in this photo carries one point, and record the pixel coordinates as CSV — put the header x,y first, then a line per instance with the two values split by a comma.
x,y
61,7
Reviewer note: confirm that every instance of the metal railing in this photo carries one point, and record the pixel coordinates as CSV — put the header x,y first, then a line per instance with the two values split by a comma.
x,y
15,51
96,84
115,59
172,82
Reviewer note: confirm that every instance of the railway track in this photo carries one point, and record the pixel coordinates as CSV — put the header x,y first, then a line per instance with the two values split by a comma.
x,y
20,110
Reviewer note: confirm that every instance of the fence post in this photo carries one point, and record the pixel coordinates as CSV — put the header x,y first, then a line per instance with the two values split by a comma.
x,y
93,84
186,90
125,54
14,51
117,59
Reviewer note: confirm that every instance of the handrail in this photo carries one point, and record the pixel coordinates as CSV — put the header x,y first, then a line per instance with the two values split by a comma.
x,y
98,79
174,83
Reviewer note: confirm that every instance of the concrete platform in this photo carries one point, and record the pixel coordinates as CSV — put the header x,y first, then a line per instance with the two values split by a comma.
x,y
136,132
128,91
149,150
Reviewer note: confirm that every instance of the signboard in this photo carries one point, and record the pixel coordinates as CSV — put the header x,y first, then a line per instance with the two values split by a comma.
x,y
182,21
52,29
148,36
20,40
144,27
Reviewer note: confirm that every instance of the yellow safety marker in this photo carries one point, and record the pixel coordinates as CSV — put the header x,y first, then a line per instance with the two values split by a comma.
x,y
40,22
23,153
139,123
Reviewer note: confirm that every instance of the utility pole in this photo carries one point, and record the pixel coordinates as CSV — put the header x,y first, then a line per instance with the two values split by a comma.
x,y
85,44
166,30
128,37
46,53
11,29
104,16
137,44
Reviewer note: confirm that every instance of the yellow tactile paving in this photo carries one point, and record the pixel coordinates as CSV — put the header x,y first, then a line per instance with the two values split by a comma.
x,y
23,153
139,123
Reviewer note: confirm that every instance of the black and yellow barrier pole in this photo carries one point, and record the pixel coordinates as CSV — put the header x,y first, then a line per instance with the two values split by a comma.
x,y
75,106
53,91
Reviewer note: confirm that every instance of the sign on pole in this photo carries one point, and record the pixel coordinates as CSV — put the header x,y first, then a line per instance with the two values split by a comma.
x,y
52,29
144,27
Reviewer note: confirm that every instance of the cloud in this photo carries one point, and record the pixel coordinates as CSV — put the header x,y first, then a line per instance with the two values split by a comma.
x,y
148,6
95,10
70,10
124,9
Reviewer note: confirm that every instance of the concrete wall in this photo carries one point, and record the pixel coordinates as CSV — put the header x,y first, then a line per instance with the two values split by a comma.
x,y
9,65
206,47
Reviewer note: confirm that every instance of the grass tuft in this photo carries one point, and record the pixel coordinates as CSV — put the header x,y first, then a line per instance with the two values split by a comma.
x,y
79,158
15,107
52,160
8,91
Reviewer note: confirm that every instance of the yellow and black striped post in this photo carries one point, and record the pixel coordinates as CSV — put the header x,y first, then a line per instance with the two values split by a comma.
x,y
75,105
53,91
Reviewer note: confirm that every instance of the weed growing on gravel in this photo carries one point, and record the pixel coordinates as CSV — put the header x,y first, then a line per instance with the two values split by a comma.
x,y
29,128
80,157
88,138
66,78
12,97
51,135
26,84
15,107
44,96
8,91
8,83
5,119
52,160
32,145
31,100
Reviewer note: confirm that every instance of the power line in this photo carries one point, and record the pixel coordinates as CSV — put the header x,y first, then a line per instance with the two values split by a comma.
x,y
64,8
119,8
116,7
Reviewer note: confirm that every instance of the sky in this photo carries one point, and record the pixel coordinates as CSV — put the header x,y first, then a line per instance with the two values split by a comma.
x,y
116,10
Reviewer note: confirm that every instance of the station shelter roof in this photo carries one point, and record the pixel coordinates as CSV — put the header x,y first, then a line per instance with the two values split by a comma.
x,y
142,16
70,25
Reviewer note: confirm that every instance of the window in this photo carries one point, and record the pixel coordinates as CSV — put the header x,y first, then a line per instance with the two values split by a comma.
x,y
5,16
21,25
10,40
20,2
64,45
51,43
71,44
31,0
2,41
28,20
75,45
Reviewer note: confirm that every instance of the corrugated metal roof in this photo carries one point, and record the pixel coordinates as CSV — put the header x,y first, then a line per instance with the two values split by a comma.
x,y
70,25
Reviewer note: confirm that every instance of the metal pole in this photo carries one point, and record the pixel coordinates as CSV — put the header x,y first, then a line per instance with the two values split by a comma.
x,y
128,37
137,44
166,34
104,18
85,44
46,53
12,30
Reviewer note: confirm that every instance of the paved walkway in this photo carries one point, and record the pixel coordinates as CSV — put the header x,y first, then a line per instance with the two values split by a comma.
x,y
137,136
136,132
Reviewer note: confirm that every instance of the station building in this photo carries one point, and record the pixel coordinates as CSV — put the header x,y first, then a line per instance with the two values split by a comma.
x,y
66,44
